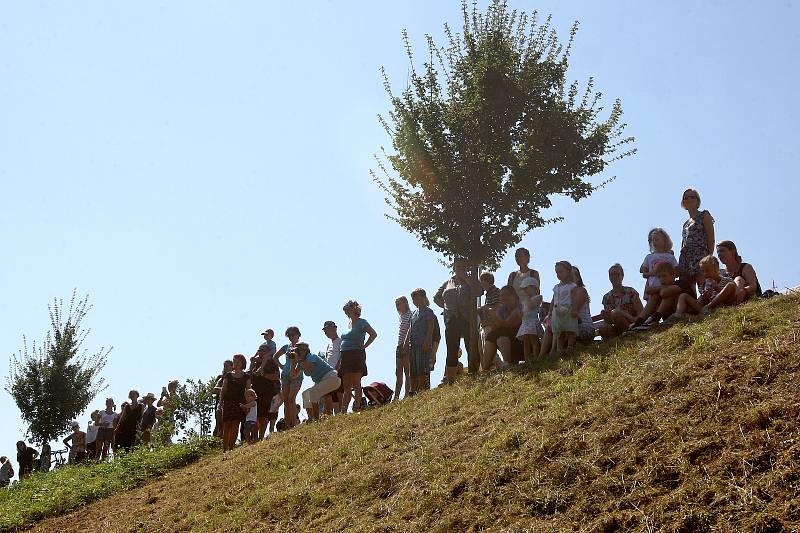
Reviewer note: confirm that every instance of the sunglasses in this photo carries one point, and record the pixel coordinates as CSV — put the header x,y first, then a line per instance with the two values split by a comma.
x,y
688,196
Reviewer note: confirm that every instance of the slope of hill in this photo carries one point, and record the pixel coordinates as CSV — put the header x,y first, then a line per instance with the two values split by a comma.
x,y
694,428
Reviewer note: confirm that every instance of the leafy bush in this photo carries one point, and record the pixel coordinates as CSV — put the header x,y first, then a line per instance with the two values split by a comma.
x,y
56,492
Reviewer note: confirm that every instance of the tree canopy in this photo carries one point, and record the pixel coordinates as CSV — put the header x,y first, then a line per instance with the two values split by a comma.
x,y
488,130
54,382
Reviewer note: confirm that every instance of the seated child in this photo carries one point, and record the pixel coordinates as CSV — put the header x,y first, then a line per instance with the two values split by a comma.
x,y
712,286
660,253
667,292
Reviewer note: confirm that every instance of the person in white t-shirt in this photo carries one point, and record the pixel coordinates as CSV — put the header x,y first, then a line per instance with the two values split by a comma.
x,y
660,253
91,435
250,433
105,433
333,356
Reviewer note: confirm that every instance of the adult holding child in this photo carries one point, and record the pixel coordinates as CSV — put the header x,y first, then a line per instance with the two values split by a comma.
x,y
457,297
231,389
353,363
745,280
129,419
697,242
504,325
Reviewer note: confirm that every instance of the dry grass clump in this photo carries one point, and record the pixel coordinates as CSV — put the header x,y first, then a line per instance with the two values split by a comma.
x,y
690,429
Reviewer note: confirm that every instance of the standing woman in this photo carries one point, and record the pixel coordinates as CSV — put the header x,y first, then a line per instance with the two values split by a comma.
x,y
290,384
457,297
130,416
231,390
697,242
354,355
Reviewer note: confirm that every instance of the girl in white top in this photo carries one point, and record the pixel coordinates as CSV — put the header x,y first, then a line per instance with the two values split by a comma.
x,y
562,319
530,330
251,420
105,432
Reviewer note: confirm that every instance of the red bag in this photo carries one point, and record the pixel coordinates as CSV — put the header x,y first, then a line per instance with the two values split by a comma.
x,y
378,393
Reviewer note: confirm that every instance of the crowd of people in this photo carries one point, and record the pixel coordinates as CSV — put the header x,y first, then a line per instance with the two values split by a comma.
x,y
514,325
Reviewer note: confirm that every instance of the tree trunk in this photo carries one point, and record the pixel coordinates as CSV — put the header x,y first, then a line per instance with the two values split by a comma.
x,y
475,348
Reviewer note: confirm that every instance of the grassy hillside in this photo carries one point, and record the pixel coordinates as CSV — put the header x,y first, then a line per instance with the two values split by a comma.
x,y
694,428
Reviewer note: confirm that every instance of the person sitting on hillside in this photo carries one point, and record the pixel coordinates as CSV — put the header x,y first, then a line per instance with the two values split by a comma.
x,y
504,324
713,283
667,292
745,281
232,388
6,472
660,253
402,364
621,305
25,457
325,379
76,444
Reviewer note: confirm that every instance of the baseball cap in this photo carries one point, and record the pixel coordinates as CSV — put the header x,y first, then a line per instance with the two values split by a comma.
x,y
329,324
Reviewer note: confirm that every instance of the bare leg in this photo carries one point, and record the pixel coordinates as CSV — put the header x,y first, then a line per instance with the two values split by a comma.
x,y
727,296
547,344
504,345
399,372
489,352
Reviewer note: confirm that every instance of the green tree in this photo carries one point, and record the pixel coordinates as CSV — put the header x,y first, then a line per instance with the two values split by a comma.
x,y
197,405
54,382
487,131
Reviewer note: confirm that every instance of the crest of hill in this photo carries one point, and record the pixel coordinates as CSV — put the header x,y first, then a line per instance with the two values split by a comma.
x,y
694,428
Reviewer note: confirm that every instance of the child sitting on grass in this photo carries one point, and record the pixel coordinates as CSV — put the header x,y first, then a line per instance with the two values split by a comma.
x,y
667,292
712,286
250,433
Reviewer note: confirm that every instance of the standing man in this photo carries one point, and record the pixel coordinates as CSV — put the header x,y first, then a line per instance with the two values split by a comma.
x,y
333,355
457,297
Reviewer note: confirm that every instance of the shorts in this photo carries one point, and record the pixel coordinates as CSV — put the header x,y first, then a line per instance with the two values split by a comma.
x,y
105,433
354,361
249,424
91,448
286,383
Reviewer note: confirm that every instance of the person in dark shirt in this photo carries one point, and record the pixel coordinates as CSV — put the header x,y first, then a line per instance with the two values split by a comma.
x,y
25,457
148,417
266,381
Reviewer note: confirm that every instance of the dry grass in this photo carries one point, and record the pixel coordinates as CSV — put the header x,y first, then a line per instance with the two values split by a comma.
x,y
690,429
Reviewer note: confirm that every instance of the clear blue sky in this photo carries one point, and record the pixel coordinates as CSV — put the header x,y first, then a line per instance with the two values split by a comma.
x,y
201,169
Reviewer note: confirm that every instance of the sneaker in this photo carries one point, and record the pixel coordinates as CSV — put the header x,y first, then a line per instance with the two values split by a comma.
x,y
705,310
649,323
673,319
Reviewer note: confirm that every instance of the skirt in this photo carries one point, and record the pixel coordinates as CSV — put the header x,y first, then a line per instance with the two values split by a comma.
x,y
231,412
530,326
562,321
354,361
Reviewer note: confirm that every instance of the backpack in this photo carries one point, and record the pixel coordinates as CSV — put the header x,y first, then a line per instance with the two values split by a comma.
x,y
378,393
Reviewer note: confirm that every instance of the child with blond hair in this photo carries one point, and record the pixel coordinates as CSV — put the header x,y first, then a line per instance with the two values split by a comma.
x,y
713,283
250,433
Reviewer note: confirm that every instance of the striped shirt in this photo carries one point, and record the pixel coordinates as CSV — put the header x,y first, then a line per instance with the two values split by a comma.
x,y
405,324
492,298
